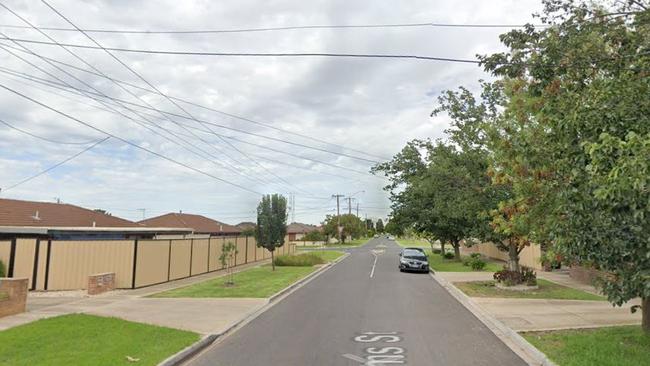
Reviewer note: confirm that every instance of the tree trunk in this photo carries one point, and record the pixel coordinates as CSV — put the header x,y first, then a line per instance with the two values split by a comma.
x,y
513,256
645,315
456,245
272,261
442,248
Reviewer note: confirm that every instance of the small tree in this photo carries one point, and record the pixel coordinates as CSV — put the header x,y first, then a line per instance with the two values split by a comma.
x,y
228,254
271,223
351,224
2,269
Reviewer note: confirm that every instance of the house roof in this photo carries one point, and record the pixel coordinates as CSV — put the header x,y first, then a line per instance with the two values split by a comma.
x,y
299,228
200,224
246,225
17,213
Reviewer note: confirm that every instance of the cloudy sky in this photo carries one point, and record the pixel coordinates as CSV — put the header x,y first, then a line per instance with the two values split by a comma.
x,y
312,126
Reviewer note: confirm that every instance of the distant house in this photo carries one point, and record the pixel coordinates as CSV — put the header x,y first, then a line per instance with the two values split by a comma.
x,y
196,223
60,221
246,225
296,230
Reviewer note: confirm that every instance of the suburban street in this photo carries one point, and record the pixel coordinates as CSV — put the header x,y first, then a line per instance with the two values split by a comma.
x,y
352,315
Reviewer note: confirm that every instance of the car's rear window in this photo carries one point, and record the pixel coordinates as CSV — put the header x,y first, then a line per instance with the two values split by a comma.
x,y
413,254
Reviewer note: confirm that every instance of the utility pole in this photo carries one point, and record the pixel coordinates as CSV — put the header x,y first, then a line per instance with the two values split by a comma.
x,y
350,205
338,214
357,209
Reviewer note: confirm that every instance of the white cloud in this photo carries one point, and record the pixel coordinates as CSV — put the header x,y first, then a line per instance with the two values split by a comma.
x,y
374,106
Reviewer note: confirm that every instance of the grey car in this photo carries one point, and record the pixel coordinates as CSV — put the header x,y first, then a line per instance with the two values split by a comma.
x,y
413,259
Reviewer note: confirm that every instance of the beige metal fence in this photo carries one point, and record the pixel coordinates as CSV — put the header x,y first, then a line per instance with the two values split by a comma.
x,y
529,256
66,264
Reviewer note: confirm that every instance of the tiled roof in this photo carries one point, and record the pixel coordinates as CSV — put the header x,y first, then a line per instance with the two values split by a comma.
x,y
298,228
246,225
200,224
46,214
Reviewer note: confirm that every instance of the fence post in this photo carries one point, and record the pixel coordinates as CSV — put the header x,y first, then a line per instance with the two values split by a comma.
x,y
169,261
191,254
208,267
12,258
135,262
35,270
47,264
246,244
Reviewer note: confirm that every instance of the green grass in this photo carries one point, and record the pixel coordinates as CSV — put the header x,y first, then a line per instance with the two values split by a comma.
x,y
611,346
451,265
413,243
547,290
327,255
254,282
79,339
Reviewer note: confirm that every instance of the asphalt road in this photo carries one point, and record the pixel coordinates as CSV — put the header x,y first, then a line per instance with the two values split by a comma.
x,y
347,317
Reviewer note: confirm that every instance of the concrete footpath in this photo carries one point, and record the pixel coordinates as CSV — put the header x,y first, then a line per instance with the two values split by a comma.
x,y
203,316
548,314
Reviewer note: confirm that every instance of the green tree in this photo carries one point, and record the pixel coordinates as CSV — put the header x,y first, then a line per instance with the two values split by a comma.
x,y
573,138
370,225
271,223
352,226
395,227
380,226
315,235
228,254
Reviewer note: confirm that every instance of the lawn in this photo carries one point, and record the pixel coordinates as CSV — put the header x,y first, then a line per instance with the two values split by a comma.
x,y
413,243
437,263
254,282
79,339
611,346
547,290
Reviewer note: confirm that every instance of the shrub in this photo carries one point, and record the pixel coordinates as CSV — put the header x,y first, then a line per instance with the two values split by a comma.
x,y
528,276
298,260
2,269
437,251
449,255
475,255
510,278
477,264
314,236
467,261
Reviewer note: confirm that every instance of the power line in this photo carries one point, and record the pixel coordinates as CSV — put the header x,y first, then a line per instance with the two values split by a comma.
x,y
245,119
128,91
249,54
45,138
285,28
110,108
160,155
289,184
55,165
179,134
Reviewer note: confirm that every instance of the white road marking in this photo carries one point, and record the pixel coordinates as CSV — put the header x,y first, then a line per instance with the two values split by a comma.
x,y
355,358
372,272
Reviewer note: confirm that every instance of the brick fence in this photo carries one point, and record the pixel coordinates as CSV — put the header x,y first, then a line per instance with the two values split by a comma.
x,y
13,295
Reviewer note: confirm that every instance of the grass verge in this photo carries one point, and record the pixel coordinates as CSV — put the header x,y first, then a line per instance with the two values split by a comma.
x,y
254,282
451,265
611,346
547,290
80,339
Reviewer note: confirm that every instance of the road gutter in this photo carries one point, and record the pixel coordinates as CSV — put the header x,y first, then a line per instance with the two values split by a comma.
x,y
209,340
518,344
